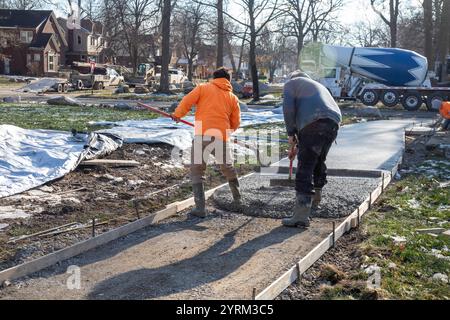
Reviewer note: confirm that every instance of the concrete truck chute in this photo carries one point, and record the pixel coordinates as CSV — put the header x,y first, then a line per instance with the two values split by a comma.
x,y
372,75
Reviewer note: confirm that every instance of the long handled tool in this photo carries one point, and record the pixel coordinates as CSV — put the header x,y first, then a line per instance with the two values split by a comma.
x,y
168,115
155,110
283,182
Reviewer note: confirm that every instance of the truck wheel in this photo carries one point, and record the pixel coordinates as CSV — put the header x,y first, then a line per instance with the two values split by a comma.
x,y
390,98
433,97
80,85
370,97
60,88
65,88
412,101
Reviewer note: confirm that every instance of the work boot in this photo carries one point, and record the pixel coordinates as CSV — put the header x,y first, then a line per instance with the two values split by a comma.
x,y
234,187
199,198
317,198
301,212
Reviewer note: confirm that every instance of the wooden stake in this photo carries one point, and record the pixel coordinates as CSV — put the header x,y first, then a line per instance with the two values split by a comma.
x,y
382,182
299,274
334,233
93,227
358,219
254,294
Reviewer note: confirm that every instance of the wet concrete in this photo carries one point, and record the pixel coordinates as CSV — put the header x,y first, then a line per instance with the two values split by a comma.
x,y
375,145
341,196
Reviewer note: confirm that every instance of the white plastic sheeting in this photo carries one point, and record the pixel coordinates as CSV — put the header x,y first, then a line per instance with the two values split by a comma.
x,y
41,85
30,158
164,130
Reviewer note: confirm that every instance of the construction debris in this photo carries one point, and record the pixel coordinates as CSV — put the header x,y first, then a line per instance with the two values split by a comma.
x,y
108,162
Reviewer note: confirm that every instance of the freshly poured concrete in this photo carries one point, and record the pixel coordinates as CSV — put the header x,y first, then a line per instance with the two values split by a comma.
x,y
341,196
374,145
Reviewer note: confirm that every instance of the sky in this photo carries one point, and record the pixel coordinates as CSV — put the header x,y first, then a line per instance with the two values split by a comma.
x,y
352,12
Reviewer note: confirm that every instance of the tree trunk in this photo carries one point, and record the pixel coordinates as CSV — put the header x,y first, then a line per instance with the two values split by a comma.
x,y
230,54
428,24
443,42
220,34
241,54
190,68
253,67
165,52
299,50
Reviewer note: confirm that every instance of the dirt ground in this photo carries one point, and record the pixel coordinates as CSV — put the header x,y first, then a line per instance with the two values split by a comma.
x,y
102,193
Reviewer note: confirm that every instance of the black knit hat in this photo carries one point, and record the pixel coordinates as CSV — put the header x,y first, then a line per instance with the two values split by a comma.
x,y
222,73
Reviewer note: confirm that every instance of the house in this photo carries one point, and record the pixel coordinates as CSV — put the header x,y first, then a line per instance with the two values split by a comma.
x,y
89,42
31,42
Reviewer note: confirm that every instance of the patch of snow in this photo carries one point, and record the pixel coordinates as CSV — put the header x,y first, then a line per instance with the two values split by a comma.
x,y
413,204
9,212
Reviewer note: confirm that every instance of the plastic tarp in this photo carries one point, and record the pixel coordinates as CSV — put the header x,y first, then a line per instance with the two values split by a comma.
x,y
41,85
30,158
164,130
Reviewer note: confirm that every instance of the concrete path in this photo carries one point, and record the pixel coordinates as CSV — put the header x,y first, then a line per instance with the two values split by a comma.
x,y
375,145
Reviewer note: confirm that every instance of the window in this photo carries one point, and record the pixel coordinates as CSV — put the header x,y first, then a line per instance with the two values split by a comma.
x,y
37,57
92,41
26,36
102,42
79,39
51,62
28,59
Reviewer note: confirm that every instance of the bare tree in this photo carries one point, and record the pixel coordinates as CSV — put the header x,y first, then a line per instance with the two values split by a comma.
x,y
443,43
134,18
220,33
368,34
323,17
299,12
428,30
190,20
379,6
165,46
22,4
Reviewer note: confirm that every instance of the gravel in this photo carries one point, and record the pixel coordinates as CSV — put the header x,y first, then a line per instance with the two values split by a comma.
x,y
341,196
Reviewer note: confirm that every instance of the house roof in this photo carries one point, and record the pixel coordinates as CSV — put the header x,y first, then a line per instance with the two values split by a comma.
x,y
41,40
23,18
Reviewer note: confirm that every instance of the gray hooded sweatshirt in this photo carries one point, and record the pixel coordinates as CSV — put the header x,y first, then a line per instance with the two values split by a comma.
x,y
306,101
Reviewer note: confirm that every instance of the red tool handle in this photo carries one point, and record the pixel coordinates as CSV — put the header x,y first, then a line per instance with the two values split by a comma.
x,y
163,113
291,168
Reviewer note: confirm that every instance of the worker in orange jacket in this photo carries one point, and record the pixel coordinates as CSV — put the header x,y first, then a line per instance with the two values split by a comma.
x,y
217,115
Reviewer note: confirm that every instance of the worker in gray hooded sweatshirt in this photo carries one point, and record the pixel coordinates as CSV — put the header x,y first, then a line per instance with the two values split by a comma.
x,y
312,120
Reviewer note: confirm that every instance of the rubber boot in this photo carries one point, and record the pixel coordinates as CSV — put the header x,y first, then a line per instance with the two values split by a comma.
x,y
302,212
199,198
317,198
234,187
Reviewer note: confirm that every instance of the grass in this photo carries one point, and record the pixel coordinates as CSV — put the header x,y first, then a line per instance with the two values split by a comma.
x,y
64,117
4,82
419,200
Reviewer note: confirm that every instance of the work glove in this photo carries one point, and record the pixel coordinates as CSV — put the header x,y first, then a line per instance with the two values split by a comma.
x,y
293,152
175,118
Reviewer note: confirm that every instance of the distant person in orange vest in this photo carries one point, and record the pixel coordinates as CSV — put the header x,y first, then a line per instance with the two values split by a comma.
x,y
444,110
217,115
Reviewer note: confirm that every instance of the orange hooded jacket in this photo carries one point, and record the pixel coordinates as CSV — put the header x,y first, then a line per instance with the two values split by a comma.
x,y
217,113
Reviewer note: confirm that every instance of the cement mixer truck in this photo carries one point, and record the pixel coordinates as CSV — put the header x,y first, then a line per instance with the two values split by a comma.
x,y
371,75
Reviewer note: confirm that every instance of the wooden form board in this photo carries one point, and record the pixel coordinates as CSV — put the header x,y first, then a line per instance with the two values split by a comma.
x,y
33,266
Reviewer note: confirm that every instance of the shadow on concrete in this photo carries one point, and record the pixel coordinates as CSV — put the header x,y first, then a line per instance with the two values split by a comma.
x,y
213,264
117,246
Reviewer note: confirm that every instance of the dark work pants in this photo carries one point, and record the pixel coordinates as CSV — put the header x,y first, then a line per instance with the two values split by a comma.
x,y
314,143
